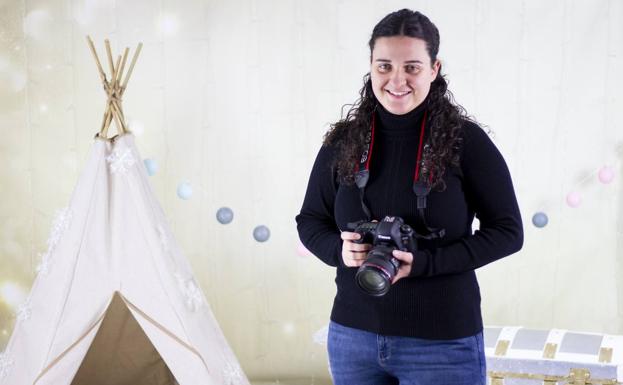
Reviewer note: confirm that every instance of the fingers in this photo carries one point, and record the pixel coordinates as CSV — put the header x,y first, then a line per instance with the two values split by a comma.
x,y
405,267
350,246
403,271
353,258
403,256
348,236
353,254
401,274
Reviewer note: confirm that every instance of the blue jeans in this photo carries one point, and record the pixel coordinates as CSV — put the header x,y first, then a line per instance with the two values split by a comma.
x,y
358,357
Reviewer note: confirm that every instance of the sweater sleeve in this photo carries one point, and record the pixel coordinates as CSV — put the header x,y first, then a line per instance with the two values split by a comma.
x,y
489,190
316,224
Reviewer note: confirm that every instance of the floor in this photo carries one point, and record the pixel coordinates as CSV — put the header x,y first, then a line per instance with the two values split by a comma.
x,y
304,381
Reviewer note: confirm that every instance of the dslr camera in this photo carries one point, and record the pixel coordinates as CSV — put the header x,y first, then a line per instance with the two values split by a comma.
x,y
376,274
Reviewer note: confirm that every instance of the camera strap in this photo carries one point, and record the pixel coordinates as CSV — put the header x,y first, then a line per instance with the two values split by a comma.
x,y
421,179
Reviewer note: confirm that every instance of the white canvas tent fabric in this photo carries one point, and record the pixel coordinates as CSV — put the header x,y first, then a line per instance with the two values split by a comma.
x,y
114,238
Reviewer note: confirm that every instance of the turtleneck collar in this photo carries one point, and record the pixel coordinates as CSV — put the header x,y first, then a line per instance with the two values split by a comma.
x,y
404,126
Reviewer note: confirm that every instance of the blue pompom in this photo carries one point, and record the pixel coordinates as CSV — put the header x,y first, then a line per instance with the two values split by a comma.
x,y
184,190
151,166
261,233
224,215
539,220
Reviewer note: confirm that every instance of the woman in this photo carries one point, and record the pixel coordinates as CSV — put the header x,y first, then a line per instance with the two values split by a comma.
x,y
427,329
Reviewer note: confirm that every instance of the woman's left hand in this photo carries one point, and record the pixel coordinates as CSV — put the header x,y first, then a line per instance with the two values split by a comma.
x,y
405,267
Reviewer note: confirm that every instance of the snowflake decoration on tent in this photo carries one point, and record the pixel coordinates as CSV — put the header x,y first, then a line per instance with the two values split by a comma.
x,y
164,238
232,374
60,224
24,311
5,365
120,161
190,290
44,266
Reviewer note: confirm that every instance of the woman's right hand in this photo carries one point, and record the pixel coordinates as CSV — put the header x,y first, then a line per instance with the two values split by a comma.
x,y
353,254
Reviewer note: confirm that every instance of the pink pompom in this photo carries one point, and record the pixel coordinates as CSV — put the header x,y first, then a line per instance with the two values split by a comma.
x,y
606,174
302,250
574,199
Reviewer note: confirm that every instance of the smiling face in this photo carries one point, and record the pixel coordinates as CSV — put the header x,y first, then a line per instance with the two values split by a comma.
x,y
401,73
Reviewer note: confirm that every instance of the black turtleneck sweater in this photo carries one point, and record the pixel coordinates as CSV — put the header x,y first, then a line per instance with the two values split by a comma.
x,y
441,297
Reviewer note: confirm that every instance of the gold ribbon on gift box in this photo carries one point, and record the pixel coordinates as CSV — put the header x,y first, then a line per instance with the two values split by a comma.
x,y
575,377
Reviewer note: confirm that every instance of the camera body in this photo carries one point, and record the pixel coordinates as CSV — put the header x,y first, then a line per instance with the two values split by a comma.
x,y
378,271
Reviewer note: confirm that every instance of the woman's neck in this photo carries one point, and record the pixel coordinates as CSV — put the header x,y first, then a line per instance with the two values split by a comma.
x,y
409,123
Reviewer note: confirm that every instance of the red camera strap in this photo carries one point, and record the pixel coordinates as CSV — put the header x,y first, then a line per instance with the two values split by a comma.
x,y
421,181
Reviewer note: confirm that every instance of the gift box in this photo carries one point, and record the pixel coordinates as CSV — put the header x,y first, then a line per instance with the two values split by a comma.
x,y
519,356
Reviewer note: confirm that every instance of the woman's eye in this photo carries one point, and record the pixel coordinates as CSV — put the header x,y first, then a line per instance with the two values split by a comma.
x,y
412,69
384,67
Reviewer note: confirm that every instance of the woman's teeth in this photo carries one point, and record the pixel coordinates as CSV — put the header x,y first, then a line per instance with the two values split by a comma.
x,y
395,93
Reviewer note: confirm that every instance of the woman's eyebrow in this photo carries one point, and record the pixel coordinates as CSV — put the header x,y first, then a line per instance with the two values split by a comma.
x,y
406,62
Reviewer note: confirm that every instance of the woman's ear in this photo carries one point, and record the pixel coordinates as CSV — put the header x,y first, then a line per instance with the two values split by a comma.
x,y
436,68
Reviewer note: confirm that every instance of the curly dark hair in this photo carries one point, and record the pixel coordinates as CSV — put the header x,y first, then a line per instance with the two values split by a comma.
x,y
444,117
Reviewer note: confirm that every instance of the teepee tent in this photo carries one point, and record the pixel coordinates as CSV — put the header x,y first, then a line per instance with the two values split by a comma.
x,y
115,301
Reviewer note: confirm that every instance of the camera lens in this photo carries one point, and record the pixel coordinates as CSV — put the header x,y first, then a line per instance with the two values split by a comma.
x,y
372,281
376,274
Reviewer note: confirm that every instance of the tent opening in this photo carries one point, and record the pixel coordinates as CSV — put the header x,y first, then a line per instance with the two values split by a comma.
x,y
122,354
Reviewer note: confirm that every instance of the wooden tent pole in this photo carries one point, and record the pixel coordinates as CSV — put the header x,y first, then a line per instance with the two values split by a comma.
x,y
110,63
107,116
117,93
97,60
120,73
115,75
106,121
127,76
113,88
112,91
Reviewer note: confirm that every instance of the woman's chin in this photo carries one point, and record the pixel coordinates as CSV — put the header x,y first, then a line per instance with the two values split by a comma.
x,y
399,108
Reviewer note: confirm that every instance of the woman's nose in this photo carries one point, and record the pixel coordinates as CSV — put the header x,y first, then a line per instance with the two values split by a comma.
x,y
397,78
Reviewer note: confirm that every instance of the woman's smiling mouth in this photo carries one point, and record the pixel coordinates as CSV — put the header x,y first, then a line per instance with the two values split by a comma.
x,y
398,94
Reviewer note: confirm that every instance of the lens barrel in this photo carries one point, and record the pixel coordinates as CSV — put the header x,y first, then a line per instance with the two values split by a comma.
x,y
376,274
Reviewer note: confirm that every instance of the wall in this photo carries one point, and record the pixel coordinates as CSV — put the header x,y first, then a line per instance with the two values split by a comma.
x,y
234,97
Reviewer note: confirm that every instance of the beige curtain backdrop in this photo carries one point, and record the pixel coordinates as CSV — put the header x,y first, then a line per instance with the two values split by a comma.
x,y
233,97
